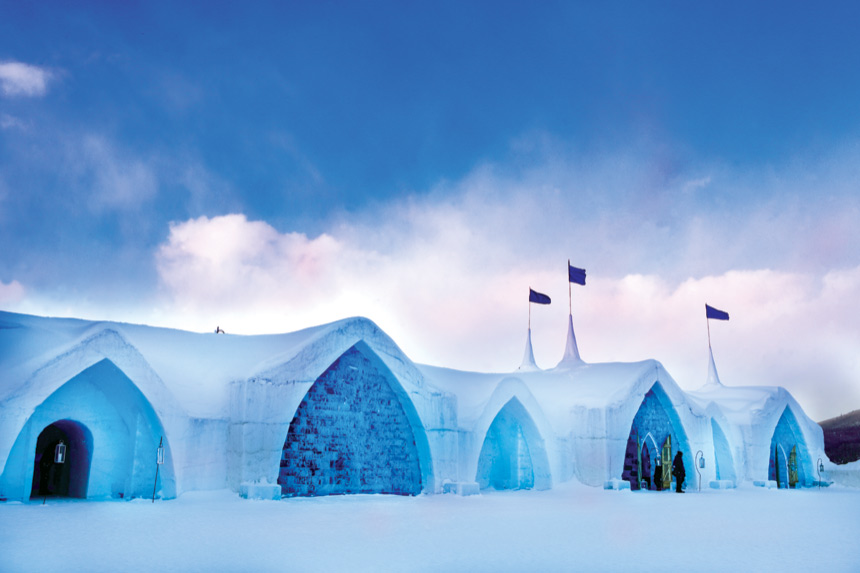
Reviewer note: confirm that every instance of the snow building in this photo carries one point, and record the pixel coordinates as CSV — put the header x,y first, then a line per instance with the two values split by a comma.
x,y
340,409
760,434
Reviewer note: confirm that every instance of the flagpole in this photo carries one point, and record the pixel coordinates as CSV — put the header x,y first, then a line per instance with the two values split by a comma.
x,y
569,303
709,330
530,309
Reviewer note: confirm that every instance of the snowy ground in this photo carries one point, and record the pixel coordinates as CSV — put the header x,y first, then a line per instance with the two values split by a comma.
x,y
572,527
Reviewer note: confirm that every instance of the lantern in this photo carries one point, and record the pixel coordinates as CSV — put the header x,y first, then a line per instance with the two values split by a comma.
x,y
60,453
159,460
700,455
820,466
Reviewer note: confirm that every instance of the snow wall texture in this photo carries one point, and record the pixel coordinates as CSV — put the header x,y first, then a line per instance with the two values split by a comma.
x,y
350,434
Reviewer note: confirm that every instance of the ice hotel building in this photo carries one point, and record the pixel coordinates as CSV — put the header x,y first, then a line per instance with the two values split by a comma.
x,y
340,409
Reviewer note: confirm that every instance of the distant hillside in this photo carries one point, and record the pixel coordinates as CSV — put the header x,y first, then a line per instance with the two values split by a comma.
x,y
842,437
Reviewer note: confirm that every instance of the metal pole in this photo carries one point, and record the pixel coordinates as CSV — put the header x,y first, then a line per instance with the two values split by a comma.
x,y
709,331
569,302
155,484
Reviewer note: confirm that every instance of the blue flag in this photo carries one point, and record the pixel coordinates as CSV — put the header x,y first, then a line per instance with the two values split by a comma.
x,y
537,297
575,275
712,312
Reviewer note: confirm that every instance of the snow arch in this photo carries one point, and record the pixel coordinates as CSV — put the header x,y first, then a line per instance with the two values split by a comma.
x,y
355,431
513,454
656,426
723,462
790,464
106,418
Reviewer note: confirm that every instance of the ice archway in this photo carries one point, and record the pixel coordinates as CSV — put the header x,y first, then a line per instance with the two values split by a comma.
x,y
656,427
725,465
790,464
355,431
108,421
513,454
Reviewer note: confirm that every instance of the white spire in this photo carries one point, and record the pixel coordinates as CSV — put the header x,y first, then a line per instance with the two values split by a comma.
x,y
571,351
713,377
528,364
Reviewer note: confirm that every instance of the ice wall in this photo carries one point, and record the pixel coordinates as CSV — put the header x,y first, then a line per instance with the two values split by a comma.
x,y
350,435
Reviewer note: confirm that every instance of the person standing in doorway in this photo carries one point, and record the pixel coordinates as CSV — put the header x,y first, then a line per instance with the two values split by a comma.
x,y
678,471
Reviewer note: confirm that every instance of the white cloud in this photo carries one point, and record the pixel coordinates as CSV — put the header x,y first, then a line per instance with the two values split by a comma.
x,y
9,121
441,293
231,262
23,80
109,177
11,293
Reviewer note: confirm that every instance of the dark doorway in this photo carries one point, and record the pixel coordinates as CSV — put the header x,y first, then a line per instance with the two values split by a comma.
x,y
67,479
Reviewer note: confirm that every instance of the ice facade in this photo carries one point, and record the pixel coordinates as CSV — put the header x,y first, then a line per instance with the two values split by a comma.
x,y
789,464
655,437
340,409
350,435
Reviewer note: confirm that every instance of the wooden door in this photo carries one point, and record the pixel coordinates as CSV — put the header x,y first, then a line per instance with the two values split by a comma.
x,y
792,467
776,465
666,456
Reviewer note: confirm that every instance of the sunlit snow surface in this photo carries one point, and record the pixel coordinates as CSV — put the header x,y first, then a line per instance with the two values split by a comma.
x,y
570,528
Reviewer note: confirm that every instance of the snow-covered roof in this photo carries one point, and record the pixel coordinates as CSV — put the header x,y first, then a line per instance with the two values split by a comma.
x,y
558,390
195,368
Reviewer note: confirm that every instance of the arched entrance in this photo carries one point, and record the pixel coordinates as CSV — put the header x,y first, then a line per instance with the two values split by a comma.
x,y
98,406
789,462
71,477
351,434
725,466
655,436
512,454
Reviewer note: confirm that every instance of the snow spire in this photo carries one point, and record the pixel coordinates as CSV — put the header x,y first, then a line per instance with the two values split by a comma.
x,y
528,364
713,377
571,351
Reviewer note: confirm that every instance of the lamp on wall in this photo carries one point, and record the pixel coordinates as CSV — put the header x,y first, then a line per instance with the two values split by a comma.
x,y
820,469
159,459
59,458
700,463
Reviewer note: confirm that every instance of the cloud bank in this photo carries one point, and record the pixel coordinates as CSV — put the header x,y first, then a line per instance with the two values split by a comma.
x,y
446,274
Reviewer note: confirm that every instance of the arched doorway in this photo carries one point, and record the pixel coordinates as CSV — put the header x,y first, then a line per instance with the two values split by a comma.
x,y
655,436
725,466
351,434
98,406
71,477
512,454
789,459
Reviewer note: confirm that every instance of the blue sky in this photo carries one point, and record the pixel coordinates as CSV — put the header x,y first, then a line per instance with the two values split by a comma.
x,y
273,166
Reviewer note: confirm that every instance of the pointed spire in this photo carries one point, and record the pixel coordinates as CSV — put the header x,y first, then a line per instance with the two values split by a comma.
x,y
528,364
571,351
713,377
